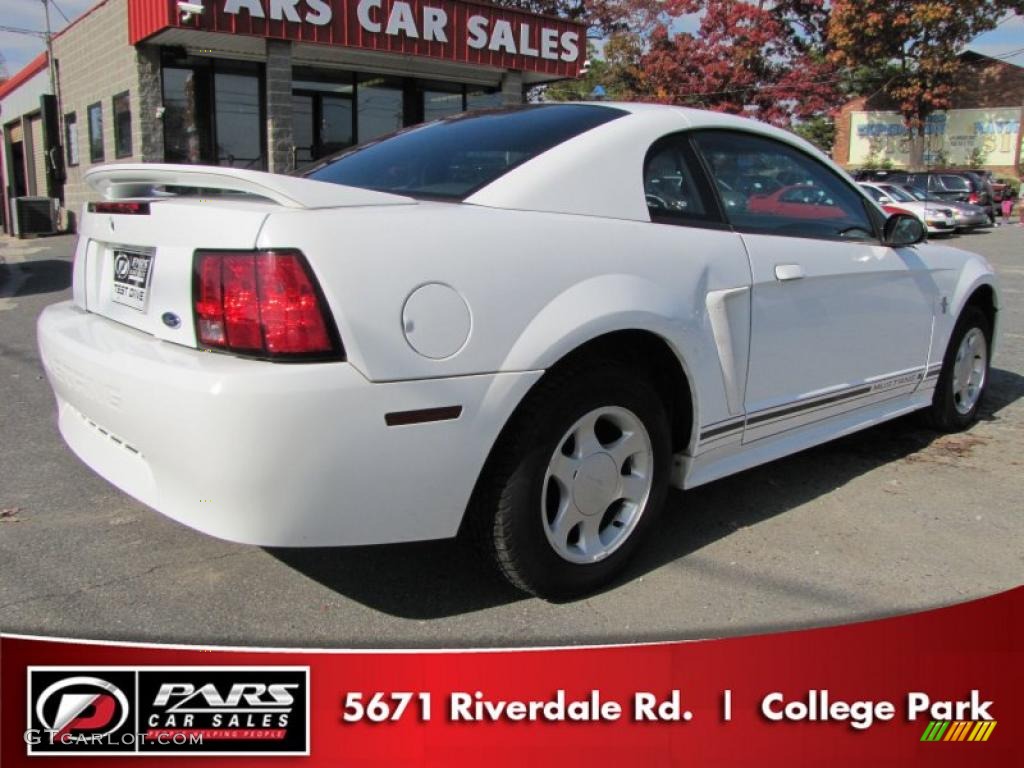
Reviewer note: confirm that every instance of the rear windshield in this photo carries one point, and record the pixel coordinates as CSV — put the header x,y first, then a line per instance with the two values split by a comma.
x,y
955,182
453,158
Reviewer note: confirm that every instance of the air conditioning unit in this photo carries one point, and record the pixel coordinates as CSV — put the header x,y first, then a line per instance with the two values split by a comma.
x,y
34,216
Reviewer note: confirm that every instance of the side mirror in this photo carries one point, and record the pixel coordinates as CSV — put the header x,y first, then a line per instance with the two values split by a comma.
x,y
902,230
885,199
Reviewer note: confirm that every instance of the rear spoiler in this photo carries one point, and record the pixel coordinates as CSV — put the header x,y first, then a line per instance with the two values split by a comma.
x,y
125,181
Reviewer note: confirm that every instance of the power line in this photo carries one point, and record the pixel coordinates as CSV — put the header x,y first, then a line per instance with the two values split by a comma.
x,y
1004,20
54,4
756,87
1007,55
21,31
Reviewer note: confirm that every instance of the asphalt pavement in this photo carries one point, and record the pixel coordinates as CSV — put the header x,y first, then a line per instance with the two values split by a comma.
x,y
888,521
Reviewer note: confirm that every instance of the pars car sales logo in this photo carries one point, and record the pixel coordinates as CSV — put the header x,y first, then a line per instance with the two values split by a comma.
x,y
168,710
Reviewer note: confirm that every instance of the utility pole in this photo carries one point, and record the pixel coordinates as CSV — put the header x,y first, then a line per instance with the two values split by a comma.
x,y
49,53
54,153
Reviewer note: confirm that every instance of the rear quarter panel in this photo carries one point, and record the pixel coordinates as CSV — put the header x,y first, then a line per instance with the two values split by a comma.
x,y
537,284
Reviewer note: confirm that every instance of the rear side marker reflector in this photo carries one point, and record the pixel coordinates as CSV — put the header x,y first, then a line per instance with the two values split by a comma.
x,y
263,304
400,418
136,209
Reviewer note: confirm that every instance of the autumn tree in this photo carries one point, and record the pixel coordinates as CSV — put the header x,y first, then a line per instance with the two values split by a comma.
x,y
764,59
604,17
914,44
566,9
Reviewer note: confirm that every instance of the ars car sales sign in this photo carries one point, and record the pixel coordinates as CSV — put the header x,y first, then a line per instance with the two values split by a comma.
x,y
168,710
456,30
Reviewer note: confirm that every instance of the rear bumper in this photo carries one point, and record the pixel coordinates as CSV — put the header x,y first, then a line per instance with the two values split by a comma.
x,y
269,454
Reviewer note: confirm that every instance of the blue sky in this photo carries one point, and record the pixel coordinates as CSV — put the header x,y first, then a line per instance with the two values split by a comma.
x,y
28,14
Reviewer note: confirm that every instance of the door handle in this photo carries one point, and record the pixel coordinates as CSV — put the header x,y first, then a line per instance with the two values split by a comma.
x,y
785,272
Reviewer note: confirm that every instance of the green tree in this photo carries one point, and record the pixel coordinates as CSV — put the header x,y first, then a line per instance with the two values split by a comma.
x,y
614,71
912,46
820,130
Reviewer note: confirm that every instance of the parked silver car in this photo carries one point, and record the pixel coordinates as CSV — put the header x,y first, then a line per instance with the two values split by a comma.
x,y
966,215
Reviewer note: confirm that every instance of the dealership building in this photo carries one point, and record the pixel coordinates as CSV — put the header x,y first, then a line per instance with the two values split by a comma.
x,y
259,84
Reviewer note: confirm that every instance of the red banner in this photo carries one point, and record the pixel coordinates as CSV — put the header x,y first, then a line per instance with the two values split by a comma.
x,y
462,31
941,688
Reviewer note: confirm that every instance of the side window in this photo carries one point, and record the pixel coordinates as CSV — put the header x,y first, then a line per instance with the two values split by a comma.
x,y
95,133
674,185
768,187
71,138
955,183
122,125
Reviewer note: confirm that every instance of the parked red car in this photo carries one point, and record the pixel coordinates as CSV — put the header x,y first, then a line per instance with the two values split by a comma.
x,y
801,201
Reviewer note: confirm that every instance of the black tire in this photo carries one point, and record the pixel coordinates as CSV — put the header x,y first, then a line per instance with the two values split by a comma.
x,y
943,414
505,515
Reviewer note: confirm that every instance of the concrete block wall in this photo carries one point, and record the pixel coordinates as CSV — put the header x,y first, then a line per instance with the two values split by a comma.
x,y
95,62
279,106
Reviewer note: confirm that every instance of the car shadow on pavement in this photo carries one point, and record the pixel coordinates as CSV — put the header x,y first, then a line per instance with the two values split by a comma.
x,y
433,580
425,580
28,278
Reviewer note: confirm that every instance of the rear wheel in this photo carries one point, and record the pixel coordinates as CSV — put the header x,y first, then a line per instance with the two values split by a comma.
x,y
961,386
575,481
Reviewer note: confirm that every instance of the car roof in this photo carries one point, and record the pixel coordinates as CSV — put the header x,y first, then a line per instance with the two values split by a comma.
x,y
700,118
599,172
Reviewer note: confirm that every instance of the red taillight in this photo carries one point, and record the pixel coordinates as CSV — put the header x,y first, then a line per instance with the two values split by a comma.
x,y
973,198
136,209
261,303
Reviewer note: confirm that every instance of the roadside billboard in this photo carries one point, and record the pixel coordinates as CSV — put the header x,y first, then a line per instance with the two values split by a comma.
x,y
987,137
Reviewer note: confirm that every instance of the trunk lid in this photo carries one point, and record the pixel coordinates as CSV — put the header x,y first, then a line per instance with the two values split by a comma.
x,y
136,268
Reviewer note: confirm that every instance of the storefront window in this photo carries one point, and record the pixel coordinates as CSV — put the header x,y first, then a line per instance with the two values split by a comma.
x,y
213,113
185,125
323,120
483,98
96,133
381,102
441,100
122,125
332,110
237,100
335,123
303,129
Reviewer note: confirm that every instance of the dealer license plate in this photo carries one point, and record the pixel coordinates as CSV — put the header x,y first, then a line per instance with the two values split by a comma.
x,y
132,272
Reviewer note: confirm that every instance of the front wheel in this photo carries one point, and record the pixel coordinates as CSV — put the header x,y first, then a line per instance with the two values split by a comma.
x,y
964,377
575,481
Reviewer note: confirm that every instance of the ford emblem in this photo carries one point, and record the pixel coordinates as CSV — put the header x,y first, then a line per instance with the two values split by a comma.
x,y
171,320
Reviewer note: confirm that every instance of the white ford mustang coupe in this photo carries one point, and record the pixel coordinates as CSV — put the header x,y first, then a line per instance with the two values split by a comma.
x,y
522,325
